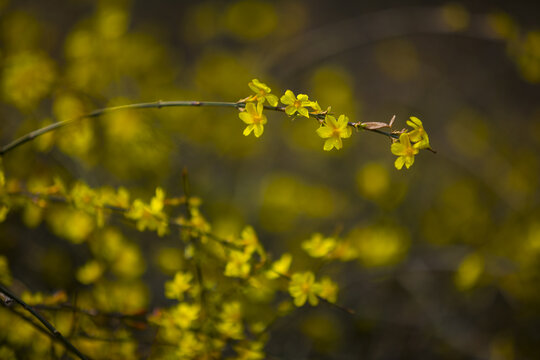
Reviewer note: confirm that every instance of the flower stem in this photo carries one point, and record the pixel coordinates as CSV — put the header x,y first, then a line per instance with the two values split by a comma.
x,y
148,105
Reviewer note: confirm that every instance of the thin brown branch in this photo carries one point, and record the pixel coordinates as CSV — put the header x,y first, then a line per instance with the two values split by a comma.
x,y
44,321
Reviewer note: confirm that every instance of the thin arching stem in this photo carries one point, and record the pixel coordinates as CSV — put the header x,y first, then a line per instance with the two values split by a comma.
x,y
57,335
148,105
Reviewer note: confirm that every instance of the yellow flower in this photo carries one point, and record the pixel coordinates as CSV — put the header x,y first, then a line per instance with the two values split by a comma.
x,y
184,314
280,266
248,239
328,289
303,287
176,288
90,272
263,92
190,346
238,264
255,119
333,131
419,135
296,103
231,321
405,151
318,246
317,108
151,215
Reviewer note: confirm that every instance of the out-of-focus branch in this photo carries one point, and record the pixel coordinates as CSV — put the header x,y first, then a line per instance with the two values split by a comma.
x,y
44,321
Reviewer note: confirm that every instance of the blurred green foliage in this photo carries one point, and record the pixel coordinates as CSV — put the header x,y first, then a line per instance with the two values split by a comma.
x,y
440,261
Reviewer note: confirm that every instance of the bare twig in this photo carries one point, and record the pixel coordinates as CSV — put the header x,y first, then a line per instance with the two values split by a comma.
x,y
44,321
148,105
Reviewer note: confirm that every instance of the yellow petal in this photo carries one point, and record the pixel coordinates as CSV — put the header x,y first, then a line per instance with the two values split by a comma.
x,y
397,149
251,109
333,142
416,121
324,132
347,132
253,87
404,139
343,121
331,121
260,108
258,130
245,117
399,162
303,112
409,160
289,110
272,100
248,129
288,98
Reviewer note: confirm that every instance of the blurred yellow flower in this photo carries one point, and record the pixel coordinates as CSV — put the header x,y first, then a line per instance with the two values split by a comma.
x,y
27,78
254,118
318,246
248,239
405,152
189,346
303,288
238,264
296,103
90,272
280,267
231,320
184,314
176,288
151,215
469,271
328,289
333,131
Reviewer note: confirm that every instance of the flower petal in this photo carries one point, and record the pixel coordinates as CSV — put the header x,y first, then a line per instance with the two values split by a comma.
x,y
258,130
331,121
253,87
399,162
288,98
245,117
248,129
397,149
415,122
303,111
409,160
251,109
404,139
324,132
300,300
343,121
260,108
347,132
333,142
289,110
272,99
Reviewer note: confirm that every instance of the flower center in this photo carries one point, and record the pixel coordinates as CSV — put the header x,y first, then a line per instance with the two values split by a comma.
x,y
409,151
297,104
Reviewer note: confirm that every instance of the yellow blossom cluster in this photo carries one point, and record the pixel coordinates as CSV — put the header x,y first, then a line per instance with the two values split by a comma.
x,y
410,143
331,129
